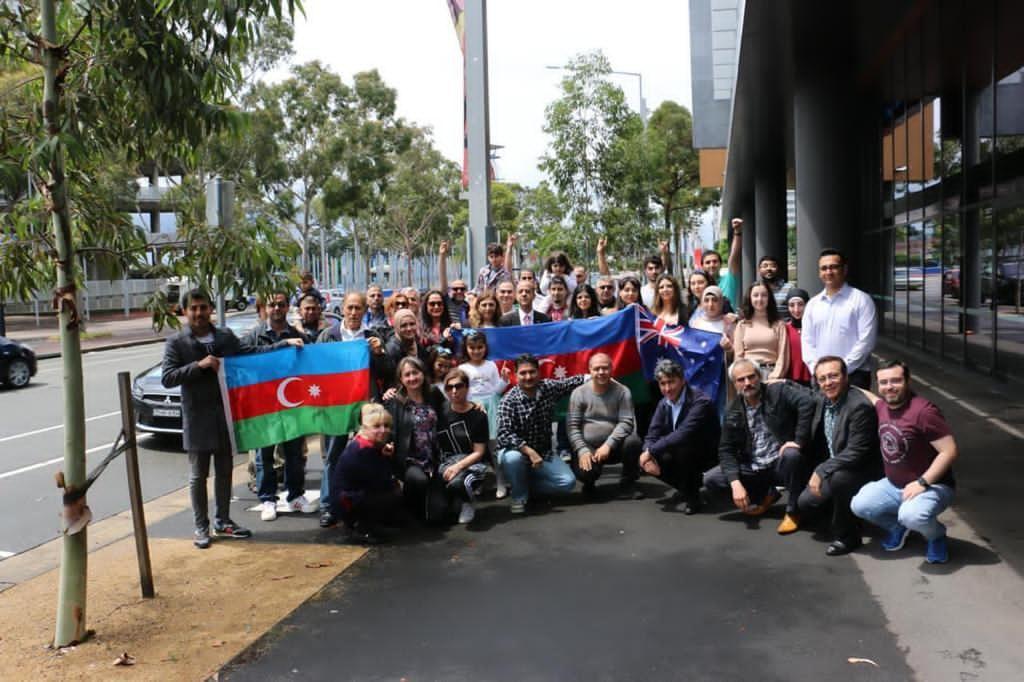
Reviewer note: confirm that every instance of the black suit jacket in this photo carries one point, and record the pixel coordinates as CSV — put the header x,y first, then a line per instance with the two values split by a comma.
x,y
854,439
696,429
512,319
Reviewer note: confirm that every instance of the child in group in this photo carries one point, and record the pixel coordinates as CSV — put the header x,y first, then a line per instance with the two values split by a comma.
x,y
557,264
486,384
363,481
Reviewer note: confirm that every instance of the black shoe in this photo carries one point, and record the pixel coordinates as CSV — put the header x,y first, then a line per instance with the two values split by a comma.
x,y
589,489
328,520
690,507
363,536
841,547
230,529
629,491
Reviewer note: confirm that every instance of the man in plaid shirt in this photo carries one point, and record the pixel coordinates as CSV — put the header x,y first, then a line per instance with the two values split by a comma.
x,y
524,434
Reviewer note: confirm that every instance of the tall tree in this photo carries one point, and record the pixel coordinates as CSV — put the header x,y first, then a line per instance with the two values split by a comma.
x,y
584,160
420,201
115,74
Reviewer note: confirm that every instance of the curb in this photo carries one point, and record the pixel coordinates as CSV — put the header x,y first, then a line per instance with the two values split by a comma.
x,y
112,346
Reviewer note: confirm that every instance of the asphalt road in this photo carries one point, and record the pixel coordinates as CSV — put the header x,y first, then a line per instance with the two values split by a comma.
x,y
32,437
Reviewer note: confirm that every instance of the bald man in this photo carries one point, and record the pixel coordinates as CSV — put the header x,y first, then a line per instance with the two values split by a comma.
x,y
602,430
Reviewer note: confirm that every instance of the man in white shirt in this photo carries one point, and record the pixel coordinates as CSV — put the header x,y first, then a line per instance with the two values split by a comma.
x,y
840,321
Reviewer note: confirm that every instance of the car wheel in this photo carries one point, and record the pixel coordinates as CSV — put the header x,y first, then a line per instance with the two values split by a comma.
x,y
241,305
18,374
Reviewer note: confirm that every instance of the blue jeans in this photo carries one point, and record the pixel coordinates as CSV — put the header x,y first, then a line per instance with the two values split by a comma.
x,y
334,445
294,471
553,476
881,503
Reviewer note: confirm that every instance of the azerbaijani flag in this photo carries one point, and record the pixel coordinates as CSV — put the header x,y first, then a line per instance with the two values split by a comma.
x,y
274,397
564,348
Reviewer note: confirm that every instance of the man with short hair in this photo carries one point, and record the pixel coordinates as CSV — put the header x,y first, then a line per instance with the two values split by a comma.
x,y
556,303
768,271
192,358
382,376
606,301
495,272
524,433
682,436
376,317
844,442
653,267
918,451
726,280
270,333
581,275
506,295
765,431
311,320
454,293
602,429
524,314
841,321
306,287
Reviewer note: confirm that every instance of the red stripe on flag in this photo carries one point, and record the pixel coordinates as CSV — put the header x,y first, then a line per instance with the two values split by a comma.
x,y
624,355
309,390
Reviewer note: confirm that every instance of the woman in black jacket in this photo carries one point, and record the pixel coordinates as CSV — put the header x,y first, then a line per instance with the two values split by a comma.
x,y
416,407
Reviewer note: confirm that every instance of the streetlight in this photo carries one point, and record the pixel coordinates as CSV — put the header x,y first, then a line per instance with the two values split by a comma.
x,y
640,79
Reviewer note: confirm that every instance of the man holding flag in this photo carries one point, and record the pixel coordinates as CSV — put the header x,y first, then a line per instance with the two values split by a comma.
x,y
192,358
269,333
524,434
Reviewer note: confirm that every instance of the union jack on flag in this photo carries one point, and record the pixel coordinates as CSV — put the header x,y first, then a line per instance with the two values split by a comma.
x,y
697,351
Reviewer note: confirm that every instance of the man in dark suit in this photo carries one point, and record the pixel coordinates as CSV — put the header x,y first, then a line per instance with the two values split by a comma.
x,y
682,437
525,314
191,360
765,432
844,441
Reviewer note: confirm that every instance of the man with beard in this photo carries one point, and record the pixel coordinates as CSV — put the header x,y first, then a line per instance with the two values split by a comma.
x,y
918,451
766,430
768,271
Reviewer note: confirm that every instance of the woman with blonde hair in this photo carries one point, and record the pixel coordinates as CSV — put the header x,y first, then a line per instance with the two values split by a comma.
x,y
486,311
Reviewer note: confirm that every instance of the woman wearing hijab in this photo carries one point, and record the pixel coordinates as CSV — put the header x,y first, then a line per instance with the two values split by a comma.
x,y
797,367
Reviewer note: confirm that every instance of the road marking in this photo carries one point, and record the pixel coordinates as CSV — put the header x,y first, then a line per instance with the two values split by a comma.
x,y
4,555
31,467
1006,427
57,367
53,428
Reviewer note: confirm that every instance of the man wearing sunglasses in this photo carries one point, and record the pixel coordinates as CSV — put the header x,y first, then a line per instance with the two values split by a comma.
x,y
839,321
455,298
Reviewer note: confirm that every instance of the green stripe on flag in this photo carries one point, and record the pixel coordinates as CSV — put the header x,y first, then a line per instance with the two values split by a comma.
x,y
278,427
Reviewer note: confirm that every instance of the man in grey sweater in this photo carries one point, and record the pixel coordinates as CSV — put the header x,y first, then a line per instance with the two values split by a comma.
x,y
602,429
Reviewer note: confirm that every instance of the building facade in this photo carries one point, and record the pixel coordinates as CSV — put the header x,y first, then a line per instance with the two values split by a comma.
x,y
900,127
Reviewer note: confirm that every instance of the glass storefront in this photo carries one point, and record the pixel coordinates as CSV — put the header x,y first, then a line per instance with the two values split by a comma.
x,y
952,188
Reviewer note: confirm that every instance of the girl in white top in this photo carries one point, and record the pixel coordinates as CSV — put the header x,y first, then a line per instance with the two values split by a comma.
x,y
486,384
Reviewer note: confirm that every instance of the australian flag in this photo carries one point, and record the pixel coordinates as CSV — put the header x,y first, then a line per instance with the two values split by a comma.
x,y
696,351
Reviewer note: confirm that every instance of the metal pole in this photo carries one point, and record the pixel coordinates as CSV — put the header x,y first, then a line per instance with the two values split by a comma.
x,y
131,460
478,134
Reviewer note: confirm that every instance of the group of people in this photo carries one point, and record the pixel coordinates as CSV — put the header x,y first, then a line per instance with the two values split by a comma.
x,y
442,415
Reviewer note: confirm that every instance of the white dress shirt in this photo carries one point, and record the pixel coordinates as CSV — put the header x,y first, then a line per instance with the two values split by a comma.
x,y
844,325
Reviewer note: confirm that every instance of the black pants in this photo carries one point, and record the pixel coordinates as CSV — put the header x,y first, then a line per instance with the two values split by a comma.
x,y
788,470
627,453
684,471
223,463
837,490
374,509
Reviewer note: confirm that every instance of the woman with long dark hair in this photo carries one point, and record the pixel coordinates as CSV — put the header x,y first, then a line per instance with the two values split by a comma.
x,y
435,322
761,335
668,301
629,291
583,304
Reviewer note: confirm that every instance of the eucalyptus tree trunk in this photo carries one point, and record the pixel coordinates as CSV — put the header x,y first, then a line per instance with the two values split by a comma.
x,y
70,625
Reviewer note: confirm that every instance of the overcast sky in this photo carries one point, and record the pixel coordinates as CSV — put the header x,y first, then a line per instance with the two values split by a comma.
x,y
413,45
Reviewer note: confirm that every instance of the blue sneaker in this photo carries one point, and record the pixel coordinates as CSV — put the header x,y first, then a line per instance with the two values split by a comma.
x,y
938,552
896,538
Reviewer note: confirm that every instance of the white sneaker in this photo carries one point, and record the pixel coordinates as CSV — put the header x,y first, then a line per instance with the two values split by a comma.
x,y
501,487
301,504
500,492
468,512
517,507
268,511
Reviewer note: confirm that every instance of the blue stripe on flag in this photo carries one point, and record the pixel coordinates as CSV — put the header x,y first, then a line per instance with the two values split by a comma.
x,y
556,338
320,358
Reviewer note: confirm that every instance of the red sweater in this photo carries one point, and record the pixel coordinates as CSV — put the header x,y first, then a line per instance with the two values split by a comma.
x,y
797,369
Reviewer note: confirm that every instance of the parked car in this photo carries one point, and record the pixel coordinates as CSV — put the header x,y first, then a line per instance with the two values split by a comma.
x,y
907,278
333,300
158,409
1009,277
951,283
17,363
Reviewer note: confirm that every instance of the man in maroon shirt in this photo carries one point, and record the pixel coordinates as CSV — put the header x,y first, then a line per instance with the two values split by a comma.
x,y
917,452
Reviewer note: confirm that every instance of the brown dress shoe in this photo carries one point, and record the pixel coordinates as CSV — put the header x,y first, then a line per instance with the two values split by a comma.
x,y
770,498
790,524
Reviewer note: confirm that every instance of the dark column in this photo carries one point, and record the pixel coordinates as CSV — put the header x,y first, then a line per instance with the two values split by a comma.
x,y
749,258
826,138
770,208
